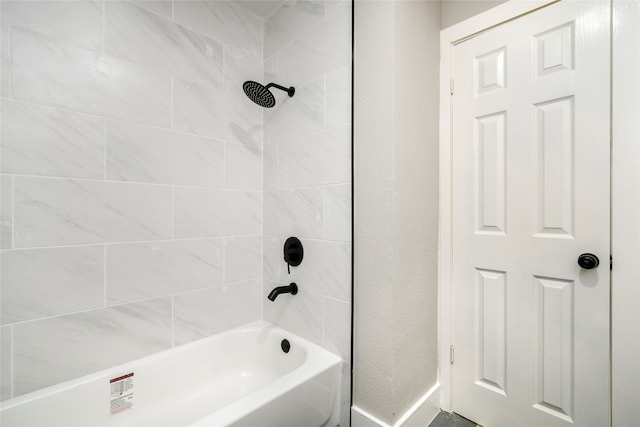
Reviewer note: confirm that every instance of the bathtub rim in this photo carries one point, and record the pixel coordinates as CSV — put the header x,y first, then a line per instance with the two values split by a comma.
x,y
314,355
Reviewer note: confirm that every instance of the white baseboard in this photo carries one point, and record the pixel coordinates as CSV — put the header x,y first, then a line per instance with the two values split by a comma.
x,y
419,415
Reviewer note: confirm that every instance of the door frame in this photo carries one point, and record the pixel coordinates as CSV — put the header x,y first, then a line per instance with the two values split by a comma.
x,y
625,178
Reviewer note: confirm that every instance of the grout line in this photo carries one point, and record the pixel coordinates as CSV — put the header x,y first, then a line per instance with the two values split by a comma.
x,y
13,212
104,26
12,362
105,131
172,103
224,260
173,320
113,181
173,213
324,212
224,165
133,242
104,273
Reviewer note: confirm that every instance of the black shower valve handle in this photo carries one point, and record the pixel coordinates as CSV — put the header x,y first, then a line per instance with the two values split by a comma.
x,y
293,252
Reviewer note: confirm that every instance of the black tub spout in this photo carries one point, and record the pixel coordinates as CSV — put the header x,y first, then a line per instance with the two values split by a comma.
x,y
291,289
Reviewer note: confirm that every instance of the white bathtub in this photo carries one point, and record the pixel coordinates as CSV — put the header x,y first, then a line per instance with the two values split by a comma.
x,y
238,378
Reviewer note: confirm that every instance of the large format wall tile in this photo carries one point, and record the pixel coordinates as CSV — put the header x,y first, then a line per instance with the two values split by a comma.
x,y
243,167
6,351
322,158
75,22
161,7
338,97
53,350
144,270
337,212
337,336
40,140
227,115
6,209
204,213
325,270
294,117
301,313
143,37
242,258
221,20
39,283
145,154
85,80
240,65
294,213
210,311
325,48
291,21
51,212
5,61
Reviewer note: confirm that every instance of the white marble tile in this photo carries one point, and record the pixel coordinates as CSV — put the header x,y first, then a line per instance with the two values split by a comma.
x,y
338,97
40,283
58,349
52,212
161,7
47,141
145,154
242,258
145,270
226,115
337,212
333,7
75,22
294,213
80,79
241,65
325,269
321,158
243,168
210,311
143,37
6,209
291,21
222,20
6,351
272,257
270,167
345,393
208,213
5,61
337,327
323,49
297,116
271,68
300,314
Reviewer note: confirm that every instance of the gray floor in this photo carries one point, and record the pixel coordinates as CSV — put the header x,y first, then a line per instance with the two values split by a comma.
x,y
445,419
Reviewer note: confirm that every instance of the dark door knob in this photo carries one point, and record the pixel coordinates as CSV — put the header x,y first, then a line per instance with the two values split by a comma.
x,y
588,261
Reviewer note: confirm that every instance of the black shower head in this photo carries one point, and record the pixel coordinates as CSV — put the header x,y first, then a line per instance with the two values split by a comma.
x,y
261,95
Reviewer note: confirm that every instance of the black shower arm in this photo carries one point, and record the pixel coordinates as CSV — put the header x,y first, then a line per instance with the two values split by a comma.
x,y
290,90
286,89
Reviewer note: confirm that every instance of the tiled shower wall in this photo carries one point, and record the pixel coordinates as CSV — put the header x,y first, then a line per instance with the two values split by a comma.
x,y
307,173
131,181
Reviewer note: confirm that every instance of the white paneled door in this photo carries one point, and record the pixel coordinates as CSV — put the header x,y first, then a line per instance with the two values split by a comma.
x,y
531,160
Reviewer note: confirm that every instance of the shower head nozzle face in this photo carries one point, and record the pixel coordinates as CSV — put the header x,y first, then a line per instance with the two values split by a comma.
x,y
259,94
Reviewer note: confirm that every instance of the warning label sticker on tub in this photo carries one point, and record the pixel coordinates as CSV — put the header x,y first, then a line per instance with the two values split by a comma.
x,y
121,393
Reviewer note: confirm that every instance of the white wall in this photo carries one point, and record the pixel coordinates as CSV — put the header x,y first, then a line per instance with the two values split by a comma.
x,y
131,182
625,249
454,11
396,190
307,174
